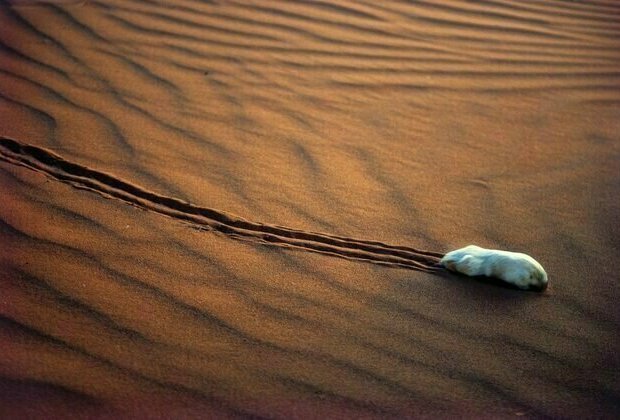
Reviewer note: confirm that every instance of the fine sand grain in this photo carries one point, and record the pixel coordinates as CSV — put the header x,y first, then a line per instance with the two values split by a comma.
x,y
139,141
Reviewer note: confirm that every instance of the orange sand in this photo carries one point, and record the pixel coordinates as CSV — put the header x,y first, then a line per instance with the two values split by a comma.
x,y
429,125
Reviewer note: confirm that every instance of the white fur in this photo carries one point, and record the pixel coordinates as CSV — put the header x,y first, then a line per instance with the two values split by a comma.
x,y
515,268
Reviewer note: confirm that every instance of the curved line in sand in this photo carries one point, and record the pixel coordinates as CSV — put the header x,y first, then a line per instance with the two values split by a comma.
x,y
83,177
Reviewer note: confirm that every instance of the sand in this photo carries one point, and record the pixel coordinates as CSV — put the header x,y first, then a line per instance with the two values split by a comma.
x,y
231,209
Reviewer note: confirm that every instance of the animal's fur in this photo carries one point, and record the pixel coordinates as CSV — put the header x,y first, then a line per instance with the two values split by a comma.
x,y
515,268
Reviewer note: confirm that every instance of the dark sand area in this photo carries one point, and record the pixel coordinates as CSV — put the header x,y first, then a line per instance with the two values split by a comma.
x,y
230,209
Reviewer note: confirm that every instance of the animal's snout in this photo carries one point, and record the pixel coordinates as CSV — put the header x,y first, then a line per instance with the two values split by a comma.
x,y
539,287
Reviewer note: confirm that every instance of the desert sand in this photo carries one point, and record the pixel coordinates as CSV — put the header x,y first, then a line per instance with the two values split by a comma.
x,y
234,208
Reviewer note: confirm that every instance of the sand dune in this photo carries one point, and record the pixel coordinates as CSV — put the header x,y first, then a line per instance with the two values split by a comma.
x,y
357,129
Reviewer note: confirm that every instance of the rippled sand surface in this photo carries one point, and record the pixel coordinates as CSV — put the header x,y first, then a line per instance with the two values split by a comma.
x,y
231,209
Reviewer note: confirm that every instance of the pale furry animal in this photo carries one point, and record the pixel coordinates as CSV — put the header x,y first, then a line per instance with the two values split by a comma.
x,y
515,268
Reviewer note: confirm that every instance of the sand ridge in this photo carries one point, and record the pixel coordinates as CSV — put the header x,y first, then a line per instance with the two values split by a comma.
x,y
430,124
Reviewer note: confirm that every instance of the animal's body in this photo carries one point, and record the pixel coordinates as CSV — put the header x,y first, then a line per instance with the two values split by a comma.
x,y
514,268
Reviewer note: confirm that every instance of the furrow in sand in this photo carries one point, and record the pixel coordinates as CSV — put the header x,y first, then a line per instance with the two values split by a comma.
x,y
80,176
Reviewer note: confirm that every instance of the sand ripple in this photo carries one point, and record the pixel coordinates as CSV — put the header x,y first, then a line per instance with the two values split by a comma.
x,y
426,123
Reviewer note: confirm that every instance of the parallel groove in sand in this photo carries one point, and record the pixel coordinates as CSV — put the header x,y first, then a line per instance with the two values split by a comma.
x,y
79,176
